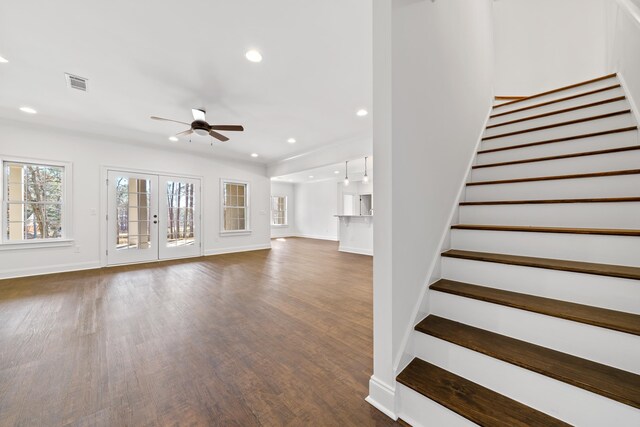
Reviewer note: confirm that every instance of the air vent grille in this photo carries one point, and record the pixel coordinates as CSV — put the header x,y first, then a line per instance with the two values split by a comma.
x,y
76,82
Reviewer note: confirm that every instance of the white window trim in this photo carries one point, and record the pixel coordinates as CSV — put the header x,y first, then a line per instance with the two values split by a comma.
x,y
286,213
67,202
247,209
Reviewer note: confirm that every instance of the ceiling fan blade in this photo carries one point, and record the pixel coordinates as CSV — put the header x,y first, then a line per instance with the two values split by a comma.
x,y
217,135
186,132
227,127
169,120
198,114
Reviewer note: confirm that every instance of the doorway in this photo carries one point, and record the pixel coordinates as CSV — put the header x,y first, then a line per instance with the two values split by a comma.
x,y
152,217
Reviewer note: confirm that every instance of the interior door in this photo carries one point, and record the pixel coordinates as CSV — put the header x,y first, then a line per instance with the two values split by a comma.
x,y
179,217
132,217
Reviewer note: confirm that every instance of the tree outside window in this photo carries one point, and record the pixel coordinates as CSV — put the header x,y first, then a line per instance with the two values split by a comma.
x,y
34,207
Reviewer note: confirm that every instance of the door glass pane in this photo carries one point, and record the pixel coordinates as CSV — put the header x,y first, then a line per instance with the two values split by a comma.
x,y
133,213
180,213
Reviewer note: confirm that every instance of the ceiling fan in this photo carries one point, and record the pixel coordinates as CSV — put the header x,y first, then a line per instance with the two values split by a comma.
x,y
201,127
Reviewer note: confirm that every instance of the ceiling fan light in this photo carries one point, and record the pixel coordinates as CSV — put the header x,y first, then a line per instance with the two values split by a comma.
x,y
201,132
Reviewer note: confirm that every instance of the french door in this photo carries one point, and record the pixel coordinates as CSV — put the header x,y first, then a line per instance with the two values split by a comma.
x,y
152,217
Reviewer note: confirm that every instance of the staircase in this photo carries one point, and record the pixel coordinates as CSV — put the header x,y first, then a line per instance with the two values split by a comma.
x,y
536,320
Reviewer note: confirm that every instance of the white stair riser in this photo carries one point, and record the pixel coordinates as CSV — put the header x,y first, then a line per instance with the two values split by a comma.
x,y
600,187
581,215
583,100
557,95
613,348
589,289
555,398
603,142
592,126
562,117
586,164
617,250
420,411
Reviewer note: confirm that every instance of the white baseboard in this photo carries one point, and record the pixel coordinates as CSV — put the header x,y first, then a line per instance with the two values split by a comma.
x,y
318,237
382,397
234,249
63,268
49,269
360,251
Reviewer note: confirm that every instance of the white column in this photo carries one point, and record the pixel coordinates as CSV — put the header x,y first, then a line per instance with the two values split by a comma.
x,y
382,382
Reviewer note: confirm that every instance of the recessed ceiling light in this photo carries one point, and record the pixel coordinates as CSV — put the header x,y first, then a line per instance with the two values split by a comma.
x,y
3,60
254,154
173,138
28,110
253,56
310,176
336,171
362,112
291,140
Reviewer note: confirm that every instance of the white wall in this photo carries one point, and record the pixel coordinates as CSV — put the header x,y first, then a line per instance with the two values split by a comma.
x,y
316,203
433,69
624,36
88,153
285,189
544,44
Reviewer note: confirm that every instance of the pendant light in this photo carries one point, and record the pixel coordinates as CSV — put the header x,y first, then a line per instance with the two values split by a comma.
x,y
346,173
365,178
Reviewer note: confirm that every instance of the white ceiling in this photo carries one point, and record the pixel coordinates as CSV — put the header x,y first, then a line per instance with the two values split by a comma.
x,y
325,173
163,58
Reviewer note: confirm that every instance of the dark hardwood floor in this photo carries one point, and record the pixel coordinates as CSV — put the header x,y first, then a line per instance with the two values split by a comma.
x,y
265,338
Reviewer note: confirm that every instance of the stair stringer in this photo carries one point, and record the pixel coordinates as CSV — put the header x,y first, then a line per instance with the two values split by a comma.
x,y
421,308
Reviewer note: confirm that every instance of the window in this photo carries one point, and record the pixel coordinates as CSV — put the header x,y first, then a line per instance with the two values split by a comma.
x,y
34,202
279,210
180,214
235,206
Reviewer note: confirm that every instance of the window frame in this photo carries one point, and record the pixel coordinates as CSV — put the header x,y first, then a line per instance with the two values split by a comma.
x,y
247,207
66,237
286,211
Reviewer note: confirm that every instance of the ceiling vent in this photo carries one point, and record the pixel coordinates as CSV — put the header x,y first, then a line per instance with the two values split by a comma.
x,y
76,82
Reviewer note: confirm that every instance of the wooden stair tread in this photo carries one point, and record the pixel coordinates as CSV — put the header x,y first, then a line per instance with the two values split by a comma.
x,y
560,230
470,400
554,101
623,271
557,177
560,89
563,139
564,110
553,201
559,157
596,316
559,124
505,98
604,380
